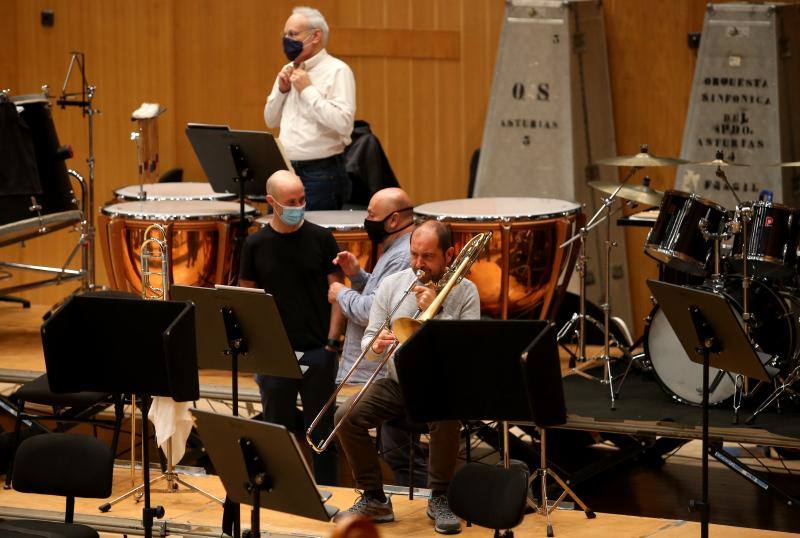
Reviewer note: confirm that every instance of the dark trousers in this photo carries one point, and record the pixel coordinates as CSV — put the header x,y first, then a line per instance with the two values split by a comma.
x,y
279,402
383,401
326,182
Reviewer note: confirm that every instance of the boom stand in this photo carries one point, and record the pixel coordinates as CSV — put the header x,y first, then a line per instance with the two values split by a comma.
x,y
263,468
711,332
608,378
167,367
235,323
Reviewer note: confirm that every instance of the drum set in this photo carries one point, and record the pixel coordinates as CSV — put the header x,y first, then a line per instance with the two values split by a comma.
x,y
748,254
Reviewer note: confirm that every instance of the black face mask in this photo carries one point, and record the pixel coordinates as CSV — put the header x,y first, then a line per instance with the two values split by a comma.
x,y
376,229
292,48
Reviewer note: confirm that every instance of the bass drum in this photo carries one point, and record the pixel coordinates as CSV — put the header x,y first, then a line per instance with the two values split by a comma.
x,y
774,329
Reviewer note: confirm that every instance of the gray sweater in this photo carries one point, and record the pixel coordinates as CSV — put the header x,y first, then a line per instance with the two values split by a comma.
x,y
462,303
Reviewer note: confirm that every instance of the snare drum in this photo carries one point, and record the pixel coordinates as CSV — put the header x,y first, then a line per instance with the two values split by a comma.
x,y
772,241
523,267
676,238
201,235
172,191
347,226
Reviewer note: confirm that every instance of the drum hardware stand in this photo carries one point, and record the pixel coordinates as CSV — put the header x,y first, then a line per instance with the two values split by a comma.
x,y
84,100
608,378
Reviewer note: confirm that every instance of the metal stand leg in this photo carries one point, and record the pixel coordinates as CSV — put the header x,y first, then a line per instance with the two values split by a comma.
x,y
545,508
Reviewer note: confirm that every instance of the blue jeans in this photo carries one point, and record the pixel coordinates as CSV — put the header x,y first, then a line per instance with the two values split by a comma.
x,y
279,404
326,182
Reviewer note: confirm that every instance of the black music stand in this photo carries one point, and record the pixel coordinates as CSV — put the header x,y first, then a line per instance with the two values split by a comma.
x,y
541,373
136,346
234,323
470,370
261,465
237,161
712,334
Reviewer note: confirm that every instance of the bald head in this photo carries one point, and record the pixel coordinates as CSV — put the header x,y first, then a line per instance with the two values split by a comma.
x,y
386,201
393,208
284,186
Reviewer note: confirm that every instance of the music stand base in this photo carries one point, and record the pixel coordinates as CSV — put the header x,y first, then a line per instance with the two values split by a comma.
x,y
544,507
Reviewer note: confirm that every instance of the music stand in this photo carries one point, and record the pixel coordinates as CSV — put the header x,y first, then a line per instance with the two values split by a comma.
x,y
237,161
239,322
470,370
138,347
261,465
541,373
712,334
235,323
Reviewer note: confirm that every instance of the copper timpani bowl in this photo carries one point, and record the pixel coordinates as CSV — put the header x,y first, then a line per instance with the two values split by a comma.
x,y
523,269
200,235
347,226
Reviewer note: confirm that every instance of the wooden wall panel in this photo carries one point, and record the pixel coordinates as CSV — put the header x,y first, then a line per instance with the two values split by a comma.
x,y
651,68
129,57
213,61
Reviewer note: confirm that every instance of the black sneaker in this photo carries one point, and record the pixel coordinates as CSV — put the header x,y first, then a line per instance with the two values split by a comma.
x,y
373,509
444,520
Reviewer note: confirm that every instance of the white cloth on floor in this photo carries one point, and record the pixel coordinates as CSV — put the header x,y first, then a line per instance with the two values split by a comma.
x,y
171,420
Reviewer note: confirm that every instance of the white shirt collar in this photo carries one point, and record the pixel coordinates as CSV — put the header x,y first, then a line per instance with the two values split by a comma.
x,y
315,60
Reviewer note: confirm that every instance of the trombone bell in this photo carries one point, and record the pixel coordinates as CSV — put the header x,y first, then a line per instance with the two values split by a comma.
x,y
404,327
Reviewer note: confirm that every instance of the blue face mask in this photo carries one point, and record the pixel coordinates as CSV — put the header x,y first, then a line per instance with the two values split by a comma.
x,y
292,48
292,215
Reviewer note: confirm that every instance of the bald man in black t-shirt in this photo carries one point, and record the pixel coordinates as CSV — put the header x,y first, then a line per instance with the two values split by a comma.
x,y
292,260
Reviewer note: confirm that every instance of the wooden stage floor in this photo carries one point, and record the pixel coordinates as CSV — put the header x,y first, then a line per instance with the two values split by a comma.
x,y
190,514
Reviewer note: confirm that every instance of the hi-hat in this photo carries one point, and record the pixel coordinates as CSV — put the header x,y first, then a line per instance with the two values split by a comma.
x,y
636,193
718,161
641,160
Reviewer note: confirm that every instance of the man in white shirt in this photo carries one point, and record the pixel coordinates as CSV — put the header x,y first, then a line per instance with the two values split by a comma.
x,y
313,101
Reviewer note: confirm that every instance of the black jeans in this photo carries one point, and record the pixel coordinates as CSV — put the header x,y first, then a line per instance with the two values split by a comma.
x,y
279,402
326,182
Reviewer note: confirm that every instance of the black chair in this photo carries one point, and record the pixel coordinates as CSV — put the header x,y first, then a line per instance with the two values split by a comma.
x,y
413,430
490,496
69,408
62,464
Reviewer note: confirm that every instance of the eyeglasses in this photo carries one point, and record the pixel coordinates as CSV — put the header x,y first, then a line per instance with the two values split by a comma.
x,y
294,35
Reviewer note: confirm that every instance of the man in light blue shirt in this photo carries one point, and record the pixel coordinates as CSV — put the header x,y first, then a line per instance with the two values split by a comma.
x,y
389,224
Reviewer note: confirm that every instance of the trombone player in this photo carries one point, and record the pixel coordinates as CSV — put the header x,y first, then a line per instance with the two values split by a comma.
x,y
431,252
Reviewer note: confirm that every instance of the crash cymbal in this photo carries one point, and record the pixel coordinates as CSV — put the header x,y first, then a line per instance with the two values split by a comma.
x,y
641,160
636,193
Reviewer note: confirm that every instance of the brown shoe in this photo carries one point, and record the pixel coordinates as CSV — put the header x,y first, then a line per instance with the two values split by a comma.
x,y
373,509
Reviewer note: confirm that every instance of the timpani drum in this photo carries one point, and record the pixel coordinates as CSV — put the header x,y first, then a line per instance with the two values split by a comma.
x,y
172,191
201,237
523,268
347,226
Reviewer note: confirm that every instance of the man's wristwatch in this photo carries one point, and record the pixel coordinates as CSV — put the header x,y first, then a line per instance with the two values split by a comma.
x,y
334,344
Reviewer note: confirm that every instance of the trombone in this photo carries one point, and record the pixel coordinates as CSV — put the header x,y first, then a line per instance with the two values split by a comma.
x,y
403,329
155,247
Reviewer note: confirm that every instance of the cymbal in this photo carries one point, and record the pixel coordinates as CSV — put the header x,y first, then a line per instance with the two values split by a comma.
x,y
795,164
641,160
636,193
718,162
